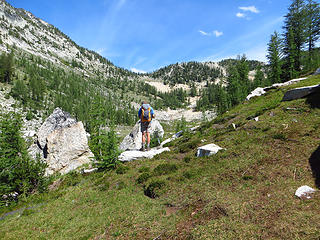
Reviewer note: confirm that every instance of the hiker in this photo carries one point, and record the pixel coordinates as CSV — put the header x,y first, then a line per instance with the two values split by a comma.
x,y
145,114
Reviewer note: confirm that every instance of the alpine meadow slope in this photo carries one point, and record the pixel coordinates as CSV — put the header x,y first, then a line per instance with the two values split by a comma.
x,y
243,192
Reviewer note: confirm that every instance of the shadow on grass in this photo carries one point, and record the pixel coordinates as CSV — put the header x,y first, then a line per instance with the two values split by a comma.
x,y
314,162
314,99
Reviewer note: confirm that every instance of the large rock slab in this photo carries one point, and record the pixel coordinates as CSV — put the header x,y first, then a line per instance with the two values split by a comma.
x,y
128,156
208,150
67,149
57,120
260,91
299,92
133,141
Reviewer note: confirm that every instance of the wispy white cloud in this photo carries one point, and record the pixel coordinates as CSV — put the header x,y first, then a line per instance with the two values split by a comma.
x,y
217,33
240,15
137,70
204,33
250,9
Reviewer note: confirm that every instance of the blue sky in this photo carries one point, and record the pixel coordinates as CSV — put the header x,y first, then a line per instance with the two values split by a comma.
x,y
145,35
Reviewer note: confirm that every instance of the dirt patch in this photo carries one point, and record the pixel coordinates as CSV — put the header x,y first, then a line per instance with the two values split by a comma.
x,y
197,213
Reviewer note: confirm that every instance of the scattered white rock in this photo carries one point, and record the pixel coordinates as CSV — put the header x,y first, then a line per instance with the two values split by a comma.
x,y
304,192
256,119
299,92
257,92
84,171
208,150
234,126
128,156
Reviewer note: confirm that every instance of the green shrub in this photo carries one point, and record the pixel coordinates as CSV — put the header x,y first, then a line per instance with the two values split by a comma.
x,y
122,169
153,189
187,159
144,169
143,177
120,185
155,140
280,136
187,174
165,168
247,177
104,146
186,147
71,179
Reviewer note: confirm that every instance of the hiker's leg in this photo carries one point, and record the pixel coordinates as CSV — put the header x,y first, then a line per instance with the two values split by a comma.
x,y
143,138
148,138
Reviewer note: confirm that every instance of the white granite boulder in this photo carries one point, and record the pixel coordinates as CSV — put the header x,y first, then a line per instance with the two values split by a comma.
x,y
62,142
133,141
67,149
58,119
208,150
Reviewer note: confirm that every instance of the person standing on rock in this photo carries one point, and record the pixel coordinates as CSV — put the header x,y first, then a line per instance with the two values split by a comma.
x,y
146,114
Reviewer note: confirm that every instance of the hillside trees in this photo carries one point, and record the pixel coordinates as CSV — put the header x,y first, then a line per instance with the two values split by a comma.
x,y
301,32
18,172
294,37
6,67
312,32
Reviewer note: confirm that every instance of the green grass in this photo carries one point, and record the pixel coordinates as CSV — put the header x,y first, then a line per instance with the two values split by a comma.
x,y
243,192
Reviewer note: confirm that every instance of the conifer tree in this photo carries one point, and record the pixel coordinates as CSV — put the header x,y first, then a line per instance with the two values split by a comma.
x,y
18,172
312,28
274,58
294,37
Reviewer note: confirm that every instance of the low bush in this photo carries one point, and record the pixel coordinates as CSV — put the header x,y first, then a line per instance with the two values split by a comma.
x,y
143,177
153,189
122,169
165,168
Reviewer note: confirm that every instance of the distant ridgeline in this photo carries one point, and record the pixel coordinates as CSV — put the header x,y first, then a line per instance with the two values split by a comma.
x,y
47,69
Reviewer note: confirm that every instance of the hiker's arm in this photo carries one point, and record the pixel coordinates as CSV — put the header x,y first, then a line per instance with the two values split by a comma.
x,y
152,113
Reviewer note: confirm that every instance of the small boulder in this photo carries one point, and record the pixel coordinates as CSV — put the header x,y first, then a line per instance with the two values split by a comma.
x,y
133,141
304,192
208,150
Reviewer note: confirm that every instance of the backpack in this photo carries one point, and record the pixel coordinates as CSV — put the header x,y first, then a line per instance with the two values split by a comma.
x,y
146,115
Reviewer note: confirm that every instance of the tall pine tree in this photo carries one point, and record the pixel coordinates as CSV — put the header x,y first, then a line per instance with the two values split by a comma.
x,y
274,58
312,30
294,37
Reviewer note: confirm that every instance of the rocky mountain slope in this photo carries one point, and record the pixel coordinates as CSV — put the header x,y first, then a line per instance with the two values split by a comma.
x,y
23,30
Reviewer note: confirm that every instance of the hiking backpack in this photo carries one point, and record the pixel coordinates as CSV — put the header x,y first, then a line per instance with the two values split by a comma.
x,y
146,115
